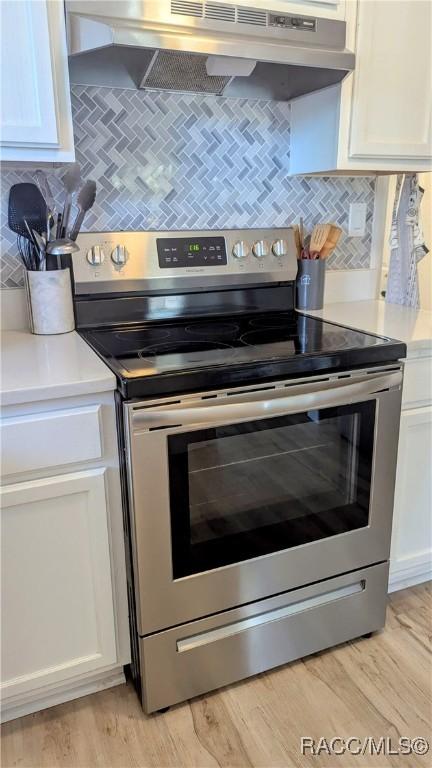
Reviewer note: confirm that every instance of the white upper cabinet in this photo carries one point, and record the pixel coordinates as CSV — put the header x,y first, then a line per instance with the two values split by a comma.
x,y
379,118
391,109
35,120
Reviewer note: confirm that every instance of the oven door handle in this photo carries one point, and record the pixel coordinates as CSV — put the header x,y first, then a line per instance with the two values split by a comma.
x,y
309,397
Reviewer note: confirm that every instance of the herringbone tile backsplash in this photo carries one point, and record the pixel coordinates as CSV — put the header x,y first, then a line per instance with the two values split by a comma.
x,y
173,161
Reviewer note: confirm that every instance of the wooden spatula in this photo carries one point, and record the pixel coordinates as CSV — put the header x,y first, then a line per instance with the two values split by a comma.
x,y
331,242
319,236
296,230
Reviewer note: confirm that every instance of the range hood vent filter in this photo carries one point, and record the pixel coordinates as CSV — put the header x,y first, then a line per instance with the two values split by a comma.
x,y
187,8
252,16
219,12
185,72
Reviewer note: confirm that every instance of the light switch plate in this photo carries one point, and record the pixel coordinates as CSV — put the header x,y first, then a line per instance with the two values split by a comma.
x,y
357,219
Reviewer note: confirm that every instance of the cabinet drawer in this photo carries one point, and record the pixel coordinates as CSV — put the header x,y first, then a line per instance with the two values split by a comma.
x,y
197,657
417,387
43,440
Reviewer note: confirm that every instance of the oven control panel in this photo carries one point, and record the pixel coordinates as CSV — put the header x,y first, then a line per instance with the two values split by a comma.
x,y
113,262
178,252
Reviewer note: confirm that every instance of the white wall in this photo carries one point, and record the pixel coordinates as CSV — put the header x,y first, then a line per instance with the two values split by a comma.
x,y
13,309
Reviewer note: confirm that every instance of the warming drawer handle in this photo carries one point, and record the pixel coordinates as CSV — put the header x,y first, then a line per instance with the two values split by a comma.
x,y
276,614
312,397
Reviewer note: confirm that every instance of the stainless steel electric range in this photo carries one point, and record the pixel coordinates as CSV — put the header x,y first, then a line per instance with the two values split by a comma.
x,y
259,455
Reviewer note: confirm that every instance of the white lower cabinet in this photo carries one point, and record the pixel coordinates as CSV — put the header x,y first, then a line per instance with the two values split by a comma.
x,y
64,616
411,553
57,613
411,548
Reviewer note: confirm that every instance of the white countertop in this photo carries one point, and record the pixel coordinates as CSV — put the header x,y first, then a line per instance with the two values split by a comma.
x,y
45,367
412,326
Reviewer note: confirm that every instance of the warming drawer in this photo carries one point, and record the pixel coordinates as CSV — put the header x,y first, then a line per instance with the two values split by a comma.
x,y
202,655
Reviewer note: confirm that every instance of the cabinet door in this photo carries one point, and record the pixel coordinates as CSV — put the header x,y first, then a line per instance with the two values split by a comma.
x,y
35,121
412,523
391,109
57,618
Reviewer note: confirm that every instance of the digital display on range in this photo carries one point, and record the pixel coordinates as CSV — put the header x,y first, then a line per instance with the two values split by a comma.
x,y
180,252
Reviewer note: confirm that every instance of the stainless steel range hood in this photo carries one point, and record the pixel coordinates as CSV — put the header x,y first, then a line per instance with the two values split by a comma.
x,y
204,47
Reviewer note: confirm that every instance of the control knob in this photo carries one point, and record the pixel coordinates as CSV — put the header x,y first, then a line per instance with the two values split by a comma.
x,y
240,249
280,247
119,255
95,255
260,249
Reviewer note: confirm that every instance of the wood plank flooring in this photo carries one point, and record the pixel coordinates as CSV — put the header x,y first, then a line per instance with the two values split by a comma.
x,y
369,687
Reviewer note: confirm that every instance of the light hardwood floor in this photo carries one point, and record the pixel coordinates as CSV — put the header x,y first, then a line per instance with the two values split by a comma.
x,y
369,687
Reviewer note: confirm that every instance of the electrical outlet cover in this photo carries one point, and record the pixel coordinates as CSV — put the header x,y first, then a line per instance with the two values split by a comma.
x,y
357,219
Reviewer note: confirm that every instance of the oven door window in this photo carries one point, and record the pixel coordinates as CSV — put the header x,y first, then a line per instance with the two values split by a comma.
x,y
249,489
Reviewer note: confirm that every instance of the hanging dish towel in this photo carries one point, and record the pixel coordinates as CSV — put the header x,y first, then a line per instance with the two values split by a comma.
x,y
406,243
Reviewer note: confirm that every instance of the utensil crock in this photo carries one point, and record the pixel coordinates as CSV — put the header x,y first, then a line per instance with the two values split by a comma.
x,y
310,284
49,298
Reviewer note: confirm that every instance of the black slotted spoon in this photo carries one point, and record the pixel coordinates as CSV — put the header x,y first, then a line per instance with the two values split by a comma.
x,y
27,211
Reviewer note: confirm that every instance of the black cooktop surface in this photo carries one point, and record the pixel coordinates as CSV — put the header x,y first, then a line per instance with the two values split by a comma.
x,y
176,357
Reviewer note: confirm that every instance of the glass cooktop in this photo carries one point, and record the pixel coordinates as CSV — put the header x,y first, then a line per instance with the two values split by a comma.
x,y
162,349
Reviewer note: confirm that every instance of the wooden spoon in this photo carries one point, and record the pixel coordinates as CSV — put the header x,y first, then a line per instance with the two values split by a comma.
x,y
319,236
331,242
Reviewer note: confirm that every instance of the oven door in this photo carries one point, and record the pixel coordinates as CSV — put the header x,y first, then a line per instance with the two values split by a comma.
x,y
242,494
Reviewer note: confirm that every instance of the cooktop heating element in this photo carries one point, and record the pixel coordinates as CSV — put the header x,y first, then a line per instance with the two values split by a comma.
x,y
176,311
150,355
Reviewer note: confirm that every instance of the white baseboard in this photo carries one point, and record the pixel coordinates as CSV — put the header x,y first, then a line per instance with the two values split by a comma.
x,y
409,571
50,696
